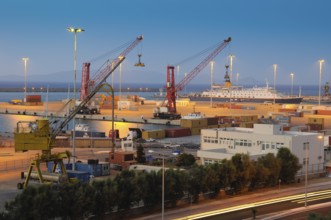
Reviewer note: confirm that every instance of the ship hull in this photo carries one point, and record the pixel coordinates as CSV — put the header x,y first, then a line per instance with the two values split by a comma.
x,y
289,100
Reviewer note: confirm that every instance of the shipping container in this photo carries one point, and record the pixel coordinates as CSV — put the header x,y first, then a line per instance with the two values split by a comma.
x,y
323,112
246,124
315,120
226,125
194,123
287,110
213,121
177,132
195,131
155,134
33,98
93,169
316,127
80,175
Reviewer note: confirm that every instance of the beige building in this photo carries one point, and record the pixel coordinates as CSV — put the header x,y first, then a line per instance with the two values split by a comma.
x,y
223,143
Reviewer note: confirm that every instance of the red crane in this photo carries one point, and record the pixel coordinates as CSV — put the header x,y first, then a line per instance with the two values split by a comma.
x,y
172,89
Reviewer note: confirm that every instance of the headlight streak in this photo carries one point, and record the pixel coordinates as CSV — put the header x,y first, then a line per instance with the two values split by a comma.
x,y
298,197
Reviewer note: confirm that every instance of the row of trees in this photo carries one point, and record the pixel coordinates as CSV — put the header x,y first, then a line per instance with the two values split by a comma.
x,y
133,189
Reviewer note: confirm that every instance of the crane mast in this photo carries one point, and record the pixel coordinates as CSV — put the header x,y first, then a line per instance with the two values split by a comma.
x,y
172,89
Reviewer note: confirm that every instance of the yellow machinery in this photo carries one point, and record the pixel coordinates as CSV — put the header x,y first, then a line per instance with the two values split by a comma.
x,y
37,136
40,135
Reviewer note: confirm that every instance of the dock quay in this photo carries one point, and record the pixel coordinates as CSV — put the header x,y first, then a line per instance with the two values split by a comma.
x,y
99,117
143,114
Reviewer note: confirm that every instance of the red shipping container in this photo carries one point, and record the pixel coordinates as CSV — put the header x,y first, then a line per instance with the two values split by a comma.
x,y
177,132
33,98
316,127
324,112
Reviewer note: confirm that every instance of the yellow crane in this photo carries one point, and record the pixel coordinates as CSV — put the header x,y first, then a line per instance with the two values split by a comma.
x,y
41,134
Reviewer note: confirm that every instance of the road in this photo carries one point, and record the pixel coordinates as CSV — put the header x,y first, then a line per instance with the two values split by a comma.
x,y
255,197
279,205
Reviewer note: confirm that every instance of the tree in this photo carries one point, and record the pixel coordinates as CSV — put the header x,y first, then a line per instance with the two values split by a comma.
x,y
195,179
174,183
150,186
141,158
211,181
185,160
289,165
245,171
267,171
99,196
126,190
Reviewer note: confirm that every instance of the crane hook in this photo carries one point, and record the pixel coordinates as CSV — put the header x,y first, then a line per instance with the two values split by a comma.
x,y
139,62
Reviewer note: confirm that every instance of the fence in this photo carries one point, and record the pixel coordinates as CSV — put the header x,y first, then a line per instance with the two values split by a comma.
x,y
313,169
14,164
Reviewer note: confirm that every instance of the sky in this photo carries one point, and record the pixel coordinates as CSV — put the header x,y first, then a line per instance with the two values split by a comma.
x,y
294,34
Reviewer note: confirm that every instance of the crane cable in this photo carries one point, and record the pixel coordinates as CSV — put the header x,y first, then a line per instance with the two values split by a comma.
x,y
198,54
111,52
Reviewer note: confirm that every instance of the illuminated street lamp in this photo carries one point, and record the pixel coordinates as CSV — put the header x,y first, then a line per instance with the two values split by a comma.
x,y
292,76
320,82
75,31
306,146
25,60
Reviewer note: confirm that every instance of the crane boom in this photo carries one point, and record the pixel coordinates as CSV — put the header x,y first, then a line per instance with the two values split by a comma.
x,y
181,85
84,102
102,74
172,89
96,83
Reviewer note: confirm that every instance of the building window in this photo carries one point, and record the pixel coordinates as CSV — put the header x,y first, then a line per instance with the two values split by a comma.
x,y
210,140
240,142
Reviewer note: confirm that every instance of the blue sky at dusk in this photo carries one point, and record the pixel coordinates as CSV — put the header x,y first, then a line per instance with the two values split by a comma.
x,y
294,34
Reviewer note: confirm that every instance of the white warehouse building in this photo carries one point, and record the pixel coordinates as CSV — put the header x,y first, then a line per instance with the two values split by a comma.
x,y
223,143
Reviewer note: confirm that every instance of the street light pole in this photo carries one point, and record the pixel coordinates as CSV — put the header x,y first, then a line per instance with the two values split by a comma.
x,y
25,60
237,77
231,59
211,82
306,144
162,187
320,82
120,81
275,72
75,31
292,76
151,152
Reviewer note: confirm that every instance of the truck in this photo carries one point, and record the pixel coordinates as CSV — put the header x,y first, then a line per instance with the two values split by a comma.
x,y
163,113
89,110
